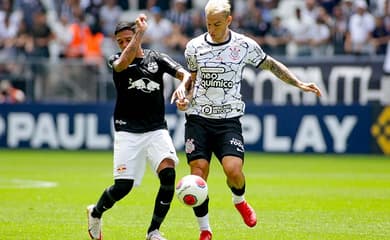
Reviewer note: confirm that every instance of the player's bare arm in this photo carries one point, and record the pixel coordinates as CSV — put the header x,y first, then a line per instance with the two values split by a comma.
x,y
185,77
284,74
133,48
183,93
184,87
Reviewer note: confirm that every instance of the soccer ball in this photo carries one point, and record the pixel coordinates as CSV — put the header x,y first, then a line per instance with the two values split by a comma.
x,y
191,190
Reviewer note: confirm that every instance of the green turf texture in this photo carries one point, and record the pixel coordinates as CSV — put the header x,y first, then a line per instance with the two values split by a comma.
x,y
301,197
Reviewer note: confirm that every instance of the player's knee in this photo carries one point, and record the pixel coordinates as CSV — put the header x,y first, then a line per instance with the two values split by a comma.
x,y
200,163
200,168
121,188
167,176
234,174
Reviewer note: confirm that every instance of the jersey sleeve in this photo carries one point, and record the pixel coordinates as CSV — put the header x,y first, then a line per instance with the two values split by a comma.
x,y
190,56
255,55
170,65
111,60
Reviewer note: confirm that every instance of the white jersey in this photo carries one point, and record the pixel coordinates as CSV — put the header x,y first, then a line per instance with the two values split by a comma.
x,y
219,70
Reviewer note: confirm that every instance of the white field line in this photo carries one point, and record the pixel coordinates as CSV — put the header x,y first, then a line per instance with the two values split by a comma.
x,y
25,183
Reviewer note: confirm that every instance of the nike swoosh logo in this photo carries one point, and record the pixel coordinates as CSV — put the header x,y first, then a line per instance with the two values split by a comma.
x,y
163,203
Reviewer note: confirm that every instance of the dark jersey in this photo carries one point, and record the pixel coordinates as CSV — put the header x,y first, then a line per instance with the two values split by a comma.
x,y
140,105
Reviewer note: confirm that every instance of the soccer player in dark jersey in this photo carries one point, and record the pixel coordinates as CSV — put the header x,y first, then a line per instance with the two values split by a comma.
x,y
141,134
214,105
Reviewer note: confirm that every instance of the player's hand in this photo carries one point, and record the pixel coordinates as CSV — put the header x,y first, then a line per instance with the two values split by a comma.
x,y
181,97
180,93
182,104
141,23
311,87
185,88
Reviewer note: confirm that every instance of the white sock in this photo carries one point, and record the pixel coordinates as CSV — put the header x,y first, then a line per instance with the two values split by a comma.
x,y
238,199
204,223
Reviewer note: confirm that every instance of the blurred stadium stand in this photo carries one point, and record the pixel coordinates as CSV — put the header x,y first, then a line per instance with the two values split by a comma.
x,y
36,36
56,52
344,80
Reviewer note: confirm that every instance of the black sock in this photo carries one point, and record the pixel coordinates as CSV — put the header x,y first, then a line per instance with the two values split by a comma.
x,y
203,209
163,198
111,195
105,202
238,192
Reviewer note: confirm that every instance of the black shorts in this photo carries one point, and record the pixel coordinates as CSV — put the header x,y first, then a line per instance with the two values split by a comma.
x,y
204,136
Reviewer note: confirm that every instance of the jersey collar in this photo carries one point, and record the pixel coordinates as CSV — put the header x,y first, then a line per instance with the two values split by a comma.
x,y
208,39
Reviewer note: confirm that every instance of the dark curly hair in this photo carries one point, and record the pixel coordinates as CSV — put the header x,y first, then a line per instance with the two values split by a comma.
x,y
125,26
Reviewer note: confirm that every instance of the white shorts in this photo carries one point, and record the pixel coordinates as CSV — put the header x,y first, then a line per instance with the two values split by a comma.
x,y
133,150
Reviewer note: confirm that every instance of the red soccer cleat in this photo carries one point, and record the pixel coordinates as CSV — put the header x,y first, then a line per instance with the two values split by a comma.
x,y
205,235
247,213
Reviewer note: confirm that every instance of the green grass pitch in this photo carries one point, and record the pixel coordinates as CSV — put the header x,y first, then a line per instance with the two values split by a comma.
x,y
43,195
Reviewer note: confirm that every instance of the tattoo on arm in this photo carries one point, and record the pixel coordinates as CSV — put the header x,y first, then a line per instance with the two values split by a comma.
x,y
179,75
280,71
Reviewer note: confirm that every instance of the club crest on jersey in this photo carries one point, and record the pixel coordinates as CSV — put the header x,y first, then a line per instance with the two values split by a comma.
x,y
234,52
152,67
189,146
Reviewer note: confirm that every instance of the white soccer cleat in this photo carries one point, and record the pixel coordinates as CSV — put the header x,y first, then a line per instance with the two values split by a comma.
x,y
155,235
94,225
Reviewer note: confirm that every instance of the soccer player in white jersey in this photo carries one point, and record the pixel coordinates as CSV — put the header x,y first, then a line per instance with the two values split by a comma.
x,y
213,103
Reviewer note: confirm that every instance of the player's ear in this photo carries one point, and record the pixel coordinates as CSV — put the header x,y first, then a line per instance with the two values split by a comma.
x,y
229,20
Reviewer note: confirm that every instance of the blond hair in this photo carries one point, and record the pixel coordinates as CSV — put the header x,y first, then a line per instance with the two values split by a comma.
x,y
218,6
